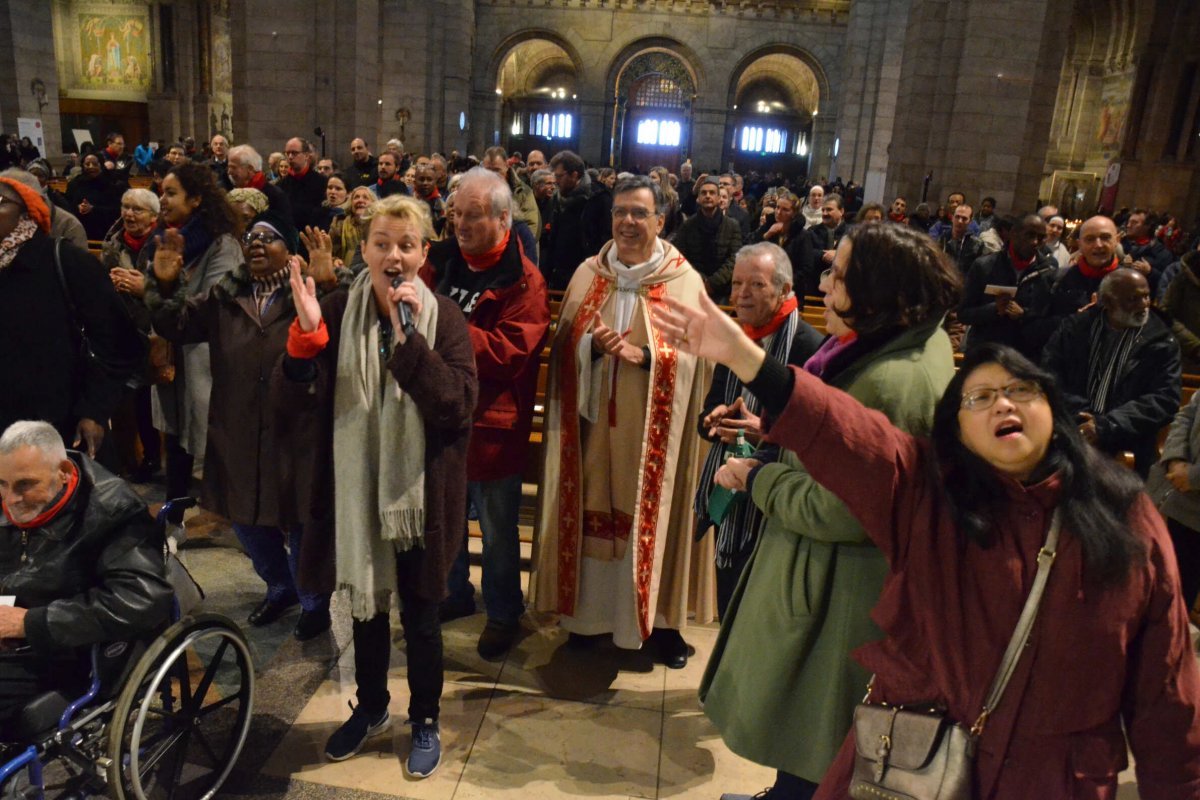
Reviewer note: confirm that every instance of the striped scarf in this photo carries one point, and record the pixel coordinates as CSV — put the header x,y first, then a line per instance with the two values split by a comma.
x,y
265,288
740,527
1106,362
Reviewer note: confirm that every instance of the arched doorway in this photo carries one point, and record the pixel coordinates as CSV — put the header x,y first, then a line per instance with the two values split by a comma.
x,y
537,84
776,97
652,123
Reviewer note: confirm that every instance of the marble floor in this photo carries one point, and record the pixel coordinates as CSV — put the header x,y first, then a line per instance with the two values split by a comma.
x,y
545,722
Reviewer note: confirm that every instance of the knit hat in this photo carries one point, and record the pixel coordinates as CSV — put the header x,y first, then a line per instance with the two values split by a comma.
x,y
35,205
283,226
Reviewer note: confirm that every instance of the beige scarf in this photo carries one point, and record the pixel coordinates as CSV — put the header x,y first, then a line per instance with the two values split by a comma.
x,y
378,456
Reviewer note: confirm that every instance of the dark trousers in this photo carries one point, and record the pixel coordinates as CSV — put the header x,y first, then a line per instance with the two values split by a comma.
x,y
1187,553
791,787
179,468
422,647
728,577
23,677
132,422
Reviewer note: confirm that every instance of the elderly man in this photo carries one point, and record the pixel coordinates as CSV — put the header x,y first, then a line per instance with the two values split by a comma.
x,y
220,161
615,523
525,204
1020,315
245,172
768,311
303,185
1118,367
503,297
363,167
390,181
536,161
1098,240
82,560
710,239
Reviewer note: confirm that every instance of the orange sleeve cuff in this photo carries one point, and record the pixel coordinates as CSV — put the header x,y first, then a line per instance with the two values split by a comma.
x,y
301,344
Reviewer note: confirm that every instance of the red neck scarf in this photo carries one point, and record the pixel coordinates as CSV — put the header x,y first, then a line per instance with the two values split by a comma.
x,y
1140,241
300,174
51,512
775,323
434,195
901,218
1095,274
491,258
135,243
112,156
1020,265
257,182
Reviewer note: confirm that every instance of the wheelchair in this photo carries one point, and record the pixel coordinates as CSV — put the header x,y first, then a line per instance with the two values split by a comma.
x,y
165,718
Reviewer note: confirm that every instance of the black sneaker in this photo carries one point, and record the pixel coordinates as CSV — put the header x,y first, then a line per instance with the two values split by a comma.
x,y
349,739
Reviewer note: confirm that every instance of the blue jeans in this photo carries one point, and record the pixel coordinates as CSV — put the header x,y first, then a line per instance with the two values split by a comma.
x,y
498,503
277,565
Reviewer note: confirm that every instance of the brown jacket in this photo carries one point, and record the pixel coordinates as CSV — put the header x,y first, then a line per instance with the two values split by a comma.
x,y
443,384
257,468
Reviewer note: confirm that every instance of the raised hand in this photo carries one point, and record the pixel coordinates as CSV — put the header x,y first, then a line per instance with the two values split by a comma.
x,y
320,255
168,258
706,331
304,296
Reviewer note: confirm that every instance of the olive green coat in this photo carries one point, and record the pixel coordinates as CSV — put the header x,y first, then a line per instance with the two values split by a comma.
x,y
781,686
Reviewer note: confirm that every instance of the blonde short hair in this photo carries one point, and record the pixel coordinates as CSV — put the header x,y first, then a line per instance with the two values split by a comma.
x,y
403,207
251,197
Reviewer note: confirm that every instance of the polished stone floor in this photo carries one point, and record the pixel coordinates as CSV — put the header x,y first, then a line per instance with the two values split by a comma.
x,y
546,722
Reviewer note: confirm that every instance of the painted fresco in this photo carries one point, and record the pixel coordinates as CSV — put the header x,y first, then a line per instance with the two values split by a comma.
x,y
114,52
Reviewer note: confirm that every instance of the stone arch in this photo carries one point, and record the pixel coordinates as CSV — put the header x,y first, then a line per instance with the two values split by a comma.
x,y
744,73
619,74
553,42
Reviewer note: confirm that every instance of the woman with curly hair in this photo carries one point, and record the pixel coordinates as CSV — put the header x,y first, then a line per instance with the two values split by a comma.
x,y
196,238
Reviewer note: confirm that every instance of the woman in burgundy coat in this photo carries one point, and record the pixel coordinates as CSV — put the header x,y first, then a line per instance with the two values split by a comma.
x,y
961,519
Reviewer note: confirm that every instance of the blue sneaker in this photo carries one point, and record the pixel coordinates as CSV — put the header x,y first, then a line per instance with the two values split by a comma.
x,y
426,749
349,739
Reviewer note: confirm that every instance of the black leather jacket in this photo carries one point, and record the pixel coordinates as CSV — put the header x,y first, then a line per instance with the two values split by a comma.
x,y
95,573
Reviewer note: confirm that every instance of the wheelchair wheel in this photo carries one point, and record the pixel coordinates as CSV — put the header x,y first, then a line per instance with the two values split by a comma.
x,y
182,717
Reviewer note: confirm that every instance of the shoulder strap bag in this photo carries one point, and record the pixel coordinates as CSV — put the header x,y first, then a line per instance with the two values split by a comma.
x,y
919,754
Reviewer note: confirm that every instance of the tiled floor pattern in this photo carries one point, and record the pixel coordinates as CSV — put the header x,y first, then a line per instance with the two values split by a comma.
x,y
546,722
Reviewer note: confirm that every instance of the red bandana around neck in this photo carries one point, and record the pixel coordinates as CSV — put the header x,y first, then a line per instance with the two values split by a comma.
x,y
482,261
258,181
1140,241
300,174
434,195
135,243
50,513
775,323
1019,264
1095,274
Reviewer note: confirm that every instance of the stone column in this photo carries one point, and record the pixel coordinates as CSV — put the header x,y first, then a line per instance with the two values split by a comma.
x,y
26,65
316,63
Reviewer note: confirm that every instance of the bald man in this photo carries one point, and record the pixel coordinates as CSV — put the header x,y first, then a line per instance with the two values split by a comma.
x,y
1097,256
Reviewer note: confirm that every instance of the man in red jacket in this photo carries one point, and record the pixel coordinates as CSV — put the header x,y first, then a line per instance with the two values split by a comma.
x,y
503,296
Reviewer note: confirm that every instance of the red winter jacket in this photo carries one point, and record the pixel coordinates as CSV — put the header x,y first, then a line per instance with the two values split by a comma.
x,y
508,326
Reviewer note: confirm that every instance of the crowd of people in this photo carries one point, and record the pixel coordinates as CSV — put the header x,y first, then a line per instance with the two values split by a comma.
x,y
347,355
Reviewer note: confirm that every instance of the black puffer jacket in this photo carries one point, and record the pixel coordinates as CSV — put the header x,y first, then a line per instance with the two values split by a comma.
x,y
1144,396
95,573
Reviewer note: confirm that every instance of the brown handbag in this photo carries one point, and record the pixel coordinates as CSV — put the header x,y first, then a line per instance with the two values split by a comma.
x,y
921,754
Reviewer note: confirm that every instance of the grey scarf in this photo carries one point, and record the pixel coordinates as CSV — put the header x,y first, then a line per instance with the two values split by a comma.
x,y
378,456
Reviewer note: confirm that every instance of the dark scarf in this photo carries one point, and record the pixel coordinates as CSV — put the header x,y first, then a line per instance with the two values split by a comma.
x,y
710,225
1107,364
196,240
740,528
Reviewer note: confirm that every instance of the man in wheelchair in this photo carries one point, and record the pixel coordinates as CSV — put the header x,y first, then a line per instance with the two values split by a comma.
x,y
81,562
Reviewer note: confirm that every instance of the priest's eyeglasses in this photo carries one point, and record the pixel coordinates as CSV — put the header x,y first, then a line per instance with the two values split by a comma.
x,y
638,214
984,397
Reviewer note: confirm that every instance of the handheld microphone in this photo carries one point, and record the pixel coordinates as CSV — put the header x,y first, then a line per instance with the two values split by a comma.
x,y
406,319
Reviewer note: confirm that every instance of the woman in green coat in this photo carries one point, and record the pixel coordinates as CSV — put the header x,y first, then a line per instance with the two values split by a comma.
x,y
780,685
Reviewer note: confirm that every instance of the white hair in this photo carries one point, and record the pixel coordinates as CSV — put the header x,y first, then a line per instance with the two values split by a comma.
x,y
34,433
142,198
782,274
247,154
496,188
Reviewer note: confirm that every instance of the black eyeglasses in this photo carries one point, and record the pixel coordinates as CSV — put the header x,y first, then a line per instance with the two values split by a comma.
x,y
266,237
